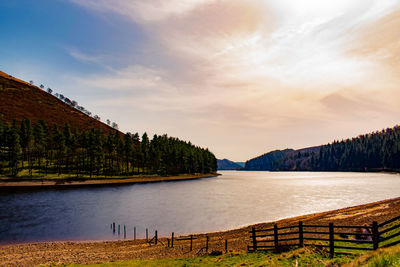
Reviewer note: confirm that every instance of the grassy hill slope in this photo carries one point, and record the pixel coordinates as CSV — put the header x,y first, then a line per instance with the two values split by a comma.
x,y
21,100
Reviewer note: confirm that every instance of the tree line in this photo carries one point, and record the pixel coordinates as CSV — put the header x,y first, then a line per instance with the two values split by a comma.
x,y
377,151
42,150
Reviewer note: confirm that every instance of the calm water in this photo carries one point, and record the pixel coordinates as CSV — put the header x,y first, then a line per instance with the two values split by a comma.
x,y
232,200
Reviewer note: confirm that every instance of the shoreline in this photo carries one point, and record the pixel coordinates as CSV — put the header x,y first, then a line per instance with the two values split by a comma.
x,y
89,252
74,183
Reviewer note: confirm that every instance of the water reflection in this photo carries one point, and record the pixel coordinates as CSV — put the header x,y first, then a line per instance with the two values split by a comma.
x,y
232,200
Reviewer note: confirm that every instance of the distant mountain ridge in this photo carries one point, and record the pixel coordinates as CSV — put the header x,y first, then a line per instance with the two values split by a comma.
x,y
225,164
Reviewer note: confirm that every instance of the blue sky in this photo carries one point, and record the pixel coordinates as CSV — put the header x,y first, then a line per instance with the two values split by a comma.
x,y
240,77
44,31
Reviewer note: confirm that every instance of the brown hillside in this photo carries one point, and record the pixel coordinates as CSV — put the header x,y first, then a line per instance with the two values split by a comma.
x,y
20,100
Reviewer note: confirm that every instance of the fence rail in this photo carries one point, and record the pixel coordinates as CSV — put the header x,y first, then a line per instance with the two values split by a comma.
x,y
338,239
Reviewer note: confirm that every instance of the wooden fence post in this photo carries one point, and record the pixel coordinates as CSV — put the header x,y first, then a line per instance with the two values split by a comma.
x,y
119,232
191,242
147,235
276,240
134,233
172,240
206,243
375,235
301,240
124,231
331,240
226,245
253,233
113,227
155,237
168,242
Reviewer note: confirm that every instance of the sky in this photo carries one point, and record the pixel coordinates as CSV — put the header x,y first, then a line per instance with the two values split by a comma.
x,y
240,77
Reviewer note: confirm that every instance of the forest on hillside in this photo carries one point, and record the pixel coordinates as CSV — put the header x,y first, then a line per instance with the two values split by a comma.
x,y
377,151
40,150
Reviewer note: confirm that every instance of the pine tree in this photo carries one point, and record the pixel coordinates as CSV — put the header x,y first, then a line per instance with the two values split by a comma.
x,y
14,151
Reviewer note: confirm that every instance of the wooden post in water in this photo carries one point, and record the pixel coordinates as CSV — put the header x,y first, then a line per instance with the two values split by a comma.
x,y
301,240
155,237
191,242
331,240
226,245
253,235
113,227
119,229
134,233
172,240
375,235
147,235
276,240
124,231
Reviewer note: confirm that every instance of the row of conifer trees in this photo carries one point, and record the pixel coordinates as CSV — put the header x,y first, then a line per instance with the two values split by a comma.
x,y
378,151
41,150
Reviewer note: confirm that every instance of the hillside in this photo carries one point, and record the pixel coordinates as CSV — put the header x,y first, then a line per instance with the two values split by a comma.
x,y
225,164
377,151
21,100
267,161
82,146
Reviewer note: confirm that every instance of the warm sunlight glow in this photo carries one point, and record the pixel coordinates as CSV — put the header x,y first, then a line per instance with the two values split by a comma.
x,y
263,69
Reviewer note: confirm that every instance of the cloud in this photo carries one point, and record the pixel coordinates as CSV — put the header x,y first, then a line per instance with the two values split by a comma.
x,y
135,77
83,57
318,69
144,11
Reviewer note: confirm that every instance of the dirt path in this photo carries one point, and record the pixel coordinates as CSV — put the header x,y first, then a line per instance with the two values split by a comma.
x,y
96,252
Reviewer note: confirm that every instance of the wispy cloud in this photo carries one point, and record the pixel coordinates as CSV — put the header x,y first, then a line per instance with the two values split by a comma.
x,y
259,68
144,11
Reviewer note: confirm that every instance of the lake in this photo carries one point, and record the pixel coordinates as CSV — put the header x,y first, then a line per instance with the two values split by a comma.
x,y
235,199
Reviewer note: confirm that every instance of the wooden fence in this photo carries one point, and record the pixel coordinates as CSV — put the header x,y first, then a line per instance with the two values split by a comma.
x,y
338,239
169,242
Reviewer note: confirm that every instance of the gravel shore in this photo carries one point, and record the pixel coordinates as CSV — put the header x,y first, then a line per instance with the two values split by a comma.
x,y
32,254
13,185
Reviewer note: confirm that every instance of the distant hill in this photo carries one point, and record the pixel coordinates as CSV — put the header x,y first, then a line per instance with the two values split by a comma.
x,y
283,160
21,100
377,151
241,164
267,161
225,164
